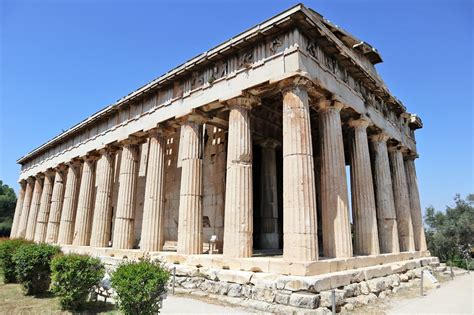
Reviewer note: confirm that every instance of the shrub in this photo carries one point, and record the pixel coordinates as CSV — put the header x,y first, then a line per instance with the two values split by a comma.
x,y
139,286
73,277
32,267
7,249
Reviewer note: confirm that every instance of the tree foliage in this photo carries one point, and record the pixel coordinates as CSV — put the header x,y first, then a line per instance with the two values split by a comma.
x,y
7,208
450,234
32,266
73,278
140,286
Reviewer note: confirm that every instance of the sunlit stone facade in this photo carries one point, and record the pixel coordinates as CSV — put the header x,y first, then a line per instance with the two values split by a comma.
x,y
247,147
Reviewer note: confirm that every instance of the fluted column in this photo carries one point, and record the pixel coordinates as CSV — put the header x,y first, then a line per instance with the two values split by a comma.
x,y
83,224
21,230
402,202
68,214
386,215
366,240
125,217
269,234
102,220
56,206
18,208
45,206
238,211
152,238
300,229
415,206
334,196
190,195
34,208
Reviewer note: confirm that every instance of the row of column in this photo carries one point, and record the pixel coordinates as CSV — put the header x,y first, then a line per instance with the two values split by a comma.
x,y
62,206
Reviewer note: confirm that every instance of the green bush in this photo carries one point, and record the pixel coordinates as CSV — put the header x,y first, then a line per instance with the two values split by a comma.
x,y
139,286
7,249
32,267
73,277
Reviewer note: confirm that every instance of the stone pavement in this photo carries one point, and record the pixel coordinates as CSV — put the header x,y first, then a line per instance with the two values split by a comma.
x,y
183,305
454,297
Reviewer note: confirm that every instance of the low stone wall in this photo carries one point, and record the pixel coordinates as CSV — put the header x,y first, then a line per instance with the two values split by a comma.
x,y
297,294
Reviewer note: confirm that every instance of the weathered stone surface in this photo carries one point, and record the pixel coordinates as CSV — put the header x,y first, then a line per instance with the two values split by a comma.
x,y
192,283
238,227
376,285
209,273
304,300
366,238
282,298
364,288
235,276
235,290
334,196
348,307
326,298
261,279
352,290
299,201
264,294
386,214
188,271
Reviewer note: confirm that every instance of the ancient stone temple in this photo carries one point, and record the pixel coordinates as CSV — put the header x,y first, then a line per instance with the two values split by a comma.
x,y
239,159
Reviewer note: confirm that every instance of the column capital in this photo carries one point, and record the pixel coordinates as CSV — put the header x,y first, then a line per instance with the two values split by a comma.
x,y
290,84
74,163
108,149
31,180
325,104
159,131
361,123
379,137
60,167
246,100
22,182
193,116
410,155
40,176
130,141
50,172
90,157
269,143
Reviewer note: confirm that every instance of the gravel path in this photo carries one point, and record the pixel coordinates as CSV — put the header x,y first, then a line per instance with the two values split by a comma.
x,y
453,297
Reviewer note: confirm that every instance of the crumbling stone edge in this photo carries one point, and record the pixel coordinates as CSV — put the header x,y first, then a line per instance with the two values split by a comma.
x,y
298,294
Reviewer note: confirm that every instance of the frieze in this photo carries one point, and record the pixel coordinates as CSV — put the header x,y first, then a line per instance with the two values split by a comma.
x,y
333,66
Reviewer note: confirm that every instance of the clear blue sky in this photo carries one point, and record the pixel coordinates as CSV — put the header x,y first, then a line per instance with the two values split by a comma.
x,y
62,62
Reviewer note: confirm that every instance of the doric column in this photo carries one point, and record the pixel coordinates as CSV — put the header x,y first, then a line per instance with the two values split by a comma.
x,y
34,208
21,230
45,206
238,212
102,221
18,208
125,216
300,229
269,234
68,214
83,224
152,238
402,202
334,196
56,205
415,206
366,240
386,215
190,195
